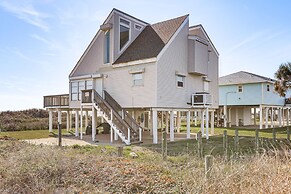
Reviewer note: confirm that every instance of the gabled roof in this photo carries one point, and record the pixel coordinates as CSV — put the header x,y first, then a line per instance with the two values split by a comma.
x,y
151,40
243,77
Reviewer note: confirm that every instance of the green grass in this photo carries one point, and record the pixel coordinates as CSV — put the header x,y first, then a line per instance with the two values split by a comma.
x,y
30,134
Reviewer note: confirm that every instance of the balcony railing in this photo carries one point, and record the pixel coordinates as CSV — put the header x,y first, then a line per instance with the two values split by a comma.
x,y
56,100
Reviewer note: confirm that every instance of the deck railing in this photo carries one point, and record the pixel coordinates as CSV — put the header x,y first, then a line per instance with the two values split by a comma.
x,y
56,100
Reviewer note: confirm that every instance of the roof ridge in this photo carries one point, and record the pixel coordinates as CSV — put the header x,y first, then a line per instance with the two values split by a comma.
x,y
169,19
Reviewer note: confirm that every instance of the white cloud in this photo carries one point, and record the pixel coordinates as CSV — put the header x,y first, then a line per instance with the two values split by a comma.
x,y
27,13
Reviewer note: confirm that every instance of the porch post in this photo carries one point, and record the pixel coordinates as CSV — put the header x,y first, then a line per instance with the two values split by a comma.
x,y
212,122
225,116
81,124
188,124
155,126
261,116
195,118
86,119
50,121
167,121
68,120
77,123
207,123
202,122
267,118
280,117
59,117
272,117
93,123
172,126
178,121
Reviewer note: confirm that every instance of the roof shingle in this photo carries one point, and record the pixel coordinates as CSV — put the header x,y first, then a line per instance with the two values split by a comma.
x,y
151,40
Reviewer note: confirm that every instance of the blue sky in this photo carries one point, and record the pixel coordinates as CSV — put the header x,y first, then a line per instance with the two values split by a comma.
x,y
41,40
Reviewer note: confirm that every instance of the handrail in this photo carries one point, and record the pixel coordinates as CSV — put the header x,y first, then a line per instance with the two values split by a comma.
x,y
122,125
127,117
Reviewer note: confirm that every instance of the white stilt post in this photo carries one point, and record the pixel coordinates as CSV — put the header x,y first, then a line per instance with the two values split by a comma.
x,y
86,119
60,117
195,118
280,117
212,122
93,123
172,126
178,121
261,116
207,123
111,134
255,116
225,116
162,121
115,136
229,117
188,124
283,117
202,122
81,124
272,117
155,126
287,119
50,121
236,117
267,118
167,121
68,120
77,123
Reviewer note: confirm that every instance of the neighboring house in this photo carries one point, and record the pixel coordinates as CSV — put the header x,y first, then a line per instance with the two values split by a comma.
x,y
133,74
244,96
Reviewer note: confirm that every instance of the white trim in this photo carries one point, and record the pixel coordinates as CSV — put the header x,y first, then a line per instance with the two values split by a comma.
x,y
86,77
127,17
180,74
137,62
199,39
172,38
120,50
242,88
134,71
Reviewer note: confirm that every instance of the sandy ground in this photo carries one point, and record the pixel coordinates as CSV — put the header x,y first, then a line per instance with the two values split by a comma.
x,y
54,141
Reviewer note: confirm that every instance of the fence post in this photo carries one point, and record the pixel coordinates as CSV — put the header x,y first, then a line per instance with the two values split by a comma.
x,y
225,144
119,151
257,140
199,144
288,133
164,145
236,141
208,165
60,134
274,135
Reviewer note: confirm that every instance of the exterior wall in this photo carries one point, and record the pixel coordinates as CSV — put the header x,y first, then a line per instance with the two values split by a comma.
x,y
173,60
119,83
251,95
213,77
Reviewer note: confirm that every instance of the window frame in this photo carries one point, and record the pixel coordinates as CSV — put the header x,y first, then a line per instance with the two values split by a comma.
x,y
107,47
129,33
134,83
179,81
78,92
238,89
74,93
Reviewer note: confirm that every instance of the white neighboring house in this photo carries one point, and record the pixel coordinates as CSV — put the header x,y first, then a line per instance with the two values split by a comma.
x,y
133,74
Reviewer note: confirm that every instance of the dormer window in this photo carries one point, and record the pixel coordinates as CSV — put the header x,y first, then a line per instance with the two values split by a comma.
x,y
107,47
124,33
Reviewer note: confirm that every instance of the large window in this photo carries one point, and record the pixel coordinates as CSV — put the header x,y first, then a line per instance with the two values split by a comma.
x,y
180,81
124,29
107,47
78,86
137,79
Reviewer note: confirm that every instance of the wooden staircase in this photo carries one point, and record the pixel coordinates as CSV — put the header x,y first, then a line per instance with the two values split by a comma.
x,y
121,122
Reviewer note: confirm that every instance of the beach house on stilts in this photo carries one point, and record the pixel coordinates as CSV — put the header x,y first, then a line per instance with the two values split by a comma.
x,y
138,76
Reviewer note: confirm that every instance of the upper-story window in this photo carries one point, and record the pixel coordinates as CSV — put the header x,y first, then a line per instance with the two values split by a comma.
x,y
239,88
124,32
180,81
268,88
137,79
107,47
